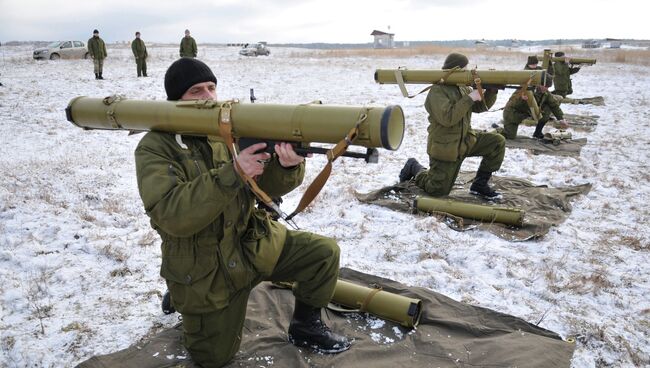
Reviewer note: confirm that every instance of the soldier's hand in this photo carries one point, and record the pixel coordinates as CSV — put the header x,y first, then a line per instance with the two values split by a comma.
x,y
251,163
287,156
474,95
562,124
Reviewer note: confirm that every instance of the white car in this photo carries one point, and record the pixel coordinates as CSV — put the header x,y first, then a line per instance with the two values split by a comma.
x,y
62,50
255,49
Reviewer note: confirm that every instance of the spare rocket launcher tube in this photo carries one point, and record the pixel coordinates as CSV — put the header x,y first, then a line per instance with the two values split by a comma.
x,y
461,77
504,215
393,307
383,127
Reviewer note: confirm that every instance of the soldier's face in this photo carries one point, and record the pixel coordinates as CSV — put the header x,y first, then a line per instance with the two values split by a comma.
x,y
201,91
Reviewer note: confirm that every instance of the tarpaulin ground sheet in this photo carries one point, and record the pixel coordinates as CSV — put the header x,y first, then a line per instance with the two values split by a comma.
x,y
544,207
566,148
450,334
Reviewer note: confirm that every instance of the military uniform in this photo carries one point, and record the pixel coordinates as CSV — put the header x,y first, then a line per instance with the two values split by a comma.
x,y
451,138
188,47
517,110
562,78
216,246
140,52
97,51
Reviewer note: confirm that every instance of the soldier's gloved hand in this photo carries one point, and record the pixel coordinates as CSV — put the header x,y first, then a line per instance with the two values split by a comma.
x,y
251,163
474,95
287,156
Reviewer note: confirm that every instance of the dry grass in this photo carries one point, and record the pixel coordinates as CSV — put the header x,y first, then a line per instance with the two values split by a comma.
x,y
114,253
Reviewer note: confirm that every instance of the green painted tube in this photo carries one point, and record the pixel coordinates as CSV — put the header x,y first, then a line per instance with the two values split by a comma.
x,y
504,215
393,307
574,60
461,77
383,127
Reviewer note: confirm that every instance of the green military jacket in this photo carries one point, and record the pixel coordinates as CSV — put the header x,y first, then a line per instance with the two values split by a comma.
x,y
214,241
450,113
97,48
188,47
562,77
139,49
517,109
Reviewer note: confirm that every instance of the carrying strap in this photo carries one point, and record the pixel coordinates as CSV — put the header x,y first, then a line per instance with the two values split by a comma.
x,y
332,154
399,78
225,130
479,88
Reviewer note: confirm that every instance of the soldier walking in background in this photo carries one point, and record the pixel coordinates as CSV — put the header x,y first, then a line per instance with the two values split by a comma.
x,y
97,51
140,52
188,45
451,138
562,78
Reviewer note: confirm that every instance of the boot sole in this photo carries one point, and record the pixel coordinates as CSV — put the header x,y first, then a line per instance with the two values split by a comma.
x,y
316,348
498,196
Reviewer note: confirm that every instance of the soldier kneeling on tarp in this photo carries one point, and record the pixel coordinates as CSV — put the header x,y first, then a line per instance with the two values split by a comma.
x,y
451,138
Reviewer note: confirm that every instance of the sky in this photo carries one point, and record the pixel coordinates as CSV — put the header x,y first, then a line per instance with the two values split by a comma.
x,y
332,21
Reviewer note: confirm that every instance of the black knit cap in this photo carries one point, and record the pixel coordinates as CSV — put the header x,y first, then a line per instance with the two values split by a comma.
x,y
455,60
95,31
559,54
183,74
532,60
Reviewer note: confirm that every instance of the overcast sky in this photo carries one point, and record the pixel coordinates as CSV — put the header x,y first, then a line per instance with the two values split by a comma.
x,y
342,21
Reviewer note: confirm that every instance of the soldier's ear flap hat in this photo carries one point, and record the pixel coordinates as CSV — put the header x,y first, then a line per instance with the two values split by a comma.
x,y
183,74
532,60
95,32
455,60
559,54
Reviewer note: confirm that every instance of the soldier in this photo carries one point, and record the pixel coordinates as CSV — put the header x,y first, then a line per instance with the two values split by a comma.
x,y
97,51
562,77
216,246
451,138
531,63
140,52
517,110
188,45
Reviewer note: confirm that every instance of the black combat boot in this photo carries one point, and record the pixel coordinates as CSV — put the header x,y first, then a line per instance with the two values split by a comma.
x,y
410,169
480,185
96,75
308,330
100,76
538,129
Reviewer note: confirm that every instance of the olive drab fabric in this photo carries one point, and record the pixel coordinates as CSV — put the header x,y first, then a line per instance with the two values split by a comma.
x,y
216,246
517,110
451,137
188,47
140,53
97,48
562,78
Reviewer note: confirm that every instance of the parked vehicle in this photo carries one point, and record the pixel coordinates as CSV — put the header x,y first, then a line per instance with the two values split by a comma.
x,y
62,50
255,49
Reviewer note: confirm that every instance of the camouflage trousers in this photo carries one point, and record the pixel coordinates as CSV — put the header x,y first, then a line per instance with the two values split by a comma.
x,y
312,261
141,66
99,65
439,179
512,120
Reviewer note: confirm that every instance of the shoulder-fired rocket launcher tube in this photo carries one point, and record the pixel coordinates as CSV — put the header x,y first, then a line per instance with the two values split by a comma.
x,y
574,60
461,77
383,127
504,215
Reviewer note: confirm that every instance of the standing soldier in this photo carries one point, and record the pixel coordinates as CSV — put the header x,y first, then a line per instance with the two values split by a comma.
x,y
140,53
531,63
563,73
451,138
517,110
97,51
188,45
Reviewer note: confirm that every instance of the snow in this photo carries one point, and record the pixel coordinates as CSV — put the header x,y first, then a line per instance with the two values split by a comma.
x,y
79,262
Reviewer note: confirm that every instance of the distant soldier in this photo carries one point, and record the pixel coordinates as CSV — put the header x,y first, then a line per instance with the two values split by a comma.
x,y
451,138
188,45
517,110
140,53
97,51
532,63
563,73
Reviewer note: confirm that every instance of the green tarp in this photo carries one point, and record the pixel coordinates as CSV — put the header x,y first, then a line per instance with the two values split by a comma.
x,y
544,206
566,148
450,334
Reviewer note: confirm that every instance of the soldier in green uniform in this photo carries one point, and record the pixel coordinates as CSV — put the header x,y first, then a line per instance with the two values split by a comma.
x,y
216,246
532,63
140,54
451,138
562,78
97,51
517,110
188,45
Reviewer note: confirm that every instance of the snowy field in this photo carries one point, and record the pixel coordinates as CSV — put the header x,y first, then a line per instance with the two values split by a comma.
x,y
79,264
